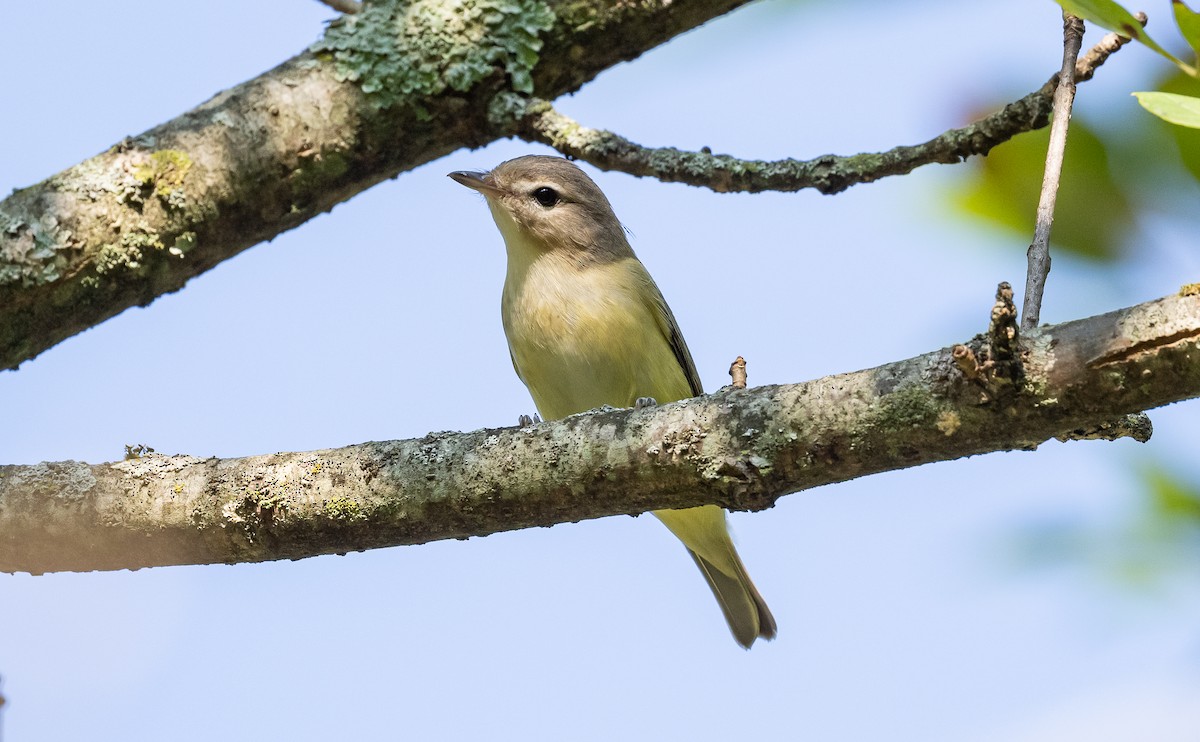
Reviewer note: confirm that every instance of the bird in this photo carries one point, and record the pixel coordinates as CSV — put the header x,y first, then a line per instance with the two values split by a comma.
x,y
587,326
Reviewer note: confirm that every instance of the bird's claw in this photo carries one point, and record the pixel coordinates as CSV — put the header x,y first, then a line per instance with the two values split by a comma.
x,y
642,403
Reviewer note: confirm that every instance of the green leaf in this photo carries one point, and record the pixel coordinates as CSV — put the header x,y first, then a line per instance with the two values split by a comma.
x,y
1187,140
1183,110
1188,21
1110,15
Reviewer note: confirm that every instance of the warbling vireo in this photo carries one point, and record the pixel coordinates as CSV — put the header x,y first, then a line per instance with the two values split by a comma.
x,y
587,327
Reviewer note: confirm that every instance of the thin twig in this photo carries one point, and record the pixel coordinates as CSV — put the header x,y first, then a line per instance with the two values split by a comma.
x,y
343,6
1039,250
827,174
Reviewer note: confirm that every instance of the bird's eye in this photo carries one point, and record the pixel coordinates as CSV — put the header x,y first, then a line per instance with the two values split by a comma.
x,y
546,196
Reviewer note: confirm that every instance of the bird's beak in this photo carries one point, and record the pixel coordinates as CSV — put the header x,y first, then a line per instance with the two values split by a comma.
x,y
481,182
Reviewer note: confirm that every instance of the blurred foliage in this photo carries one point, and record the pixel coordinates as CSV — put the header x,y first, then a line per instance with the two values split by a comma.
x,y
1093,214
1132,165
1155,543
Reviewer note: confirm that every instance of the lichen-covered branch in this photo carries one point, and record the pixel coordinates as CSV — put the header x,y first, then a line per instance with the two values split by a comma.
x,y
386,89
741,448
540,122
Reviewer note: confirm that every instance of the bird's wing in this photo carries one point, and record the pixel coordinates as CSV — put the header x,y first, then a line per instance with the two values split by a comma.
x,y
512,357
670,330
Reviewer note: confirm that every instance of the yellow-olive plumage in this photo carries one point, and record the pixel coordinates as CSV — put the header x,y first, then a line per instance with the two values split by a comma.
x,y
587,326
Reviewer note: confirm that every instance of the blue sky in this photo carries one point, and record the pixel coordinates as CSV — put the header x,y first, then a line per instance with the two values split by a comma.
x,y
901,614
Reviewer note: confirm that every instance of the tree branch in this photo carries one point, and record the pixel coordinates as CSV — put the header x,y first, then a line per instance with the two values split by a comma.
x,y
1039,250
827,174
392,87
343,6
739,448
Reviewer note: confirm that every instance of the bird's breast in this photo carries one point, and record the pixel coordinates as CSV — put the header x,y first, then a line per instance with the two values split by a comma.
x,y
582,337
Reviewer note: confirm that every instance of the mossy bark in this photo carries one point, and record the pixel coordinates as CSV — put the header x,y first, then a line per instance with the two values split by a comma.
x,y
140,219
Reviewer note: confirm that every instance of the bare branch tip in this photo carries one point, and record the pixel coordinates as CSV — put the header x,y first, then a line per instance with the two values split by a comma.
x,y
737,370
1003,366
966,361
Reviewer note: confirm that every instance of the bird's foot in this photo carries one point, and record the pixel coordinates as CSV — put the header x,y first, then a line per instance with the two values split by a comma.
x,y
524,421
642,403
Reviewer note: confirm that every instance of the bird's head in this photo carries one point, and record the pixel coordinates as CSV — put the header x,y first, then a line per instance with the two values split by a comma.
x,y
547,204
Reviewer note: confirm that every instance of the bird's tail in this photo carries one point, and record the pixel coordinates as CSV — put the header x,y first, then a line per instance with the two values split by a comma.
x,y
704,532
